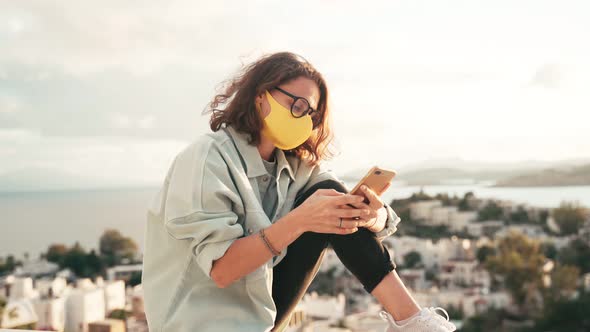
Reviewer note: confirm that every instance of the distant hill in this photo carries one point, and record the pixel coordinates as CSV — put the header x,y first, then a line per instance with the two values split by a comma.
x,y
429,172
443,176
458,171
575,176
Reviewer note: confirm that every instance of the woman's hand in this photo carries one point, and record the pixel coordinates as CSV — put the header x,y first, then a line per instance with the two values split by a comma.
x,y
321,212
375,220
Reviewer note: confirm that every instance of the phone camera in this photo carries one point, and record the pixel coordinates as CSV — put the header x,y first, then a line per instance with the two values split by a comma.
x,y
378,172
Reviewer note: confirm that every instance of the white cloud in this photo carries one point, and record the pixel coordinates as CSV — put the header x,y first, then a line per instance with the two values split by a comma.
x,y
119,120
117,160
482,80
10,104
146,122
124,121
17,136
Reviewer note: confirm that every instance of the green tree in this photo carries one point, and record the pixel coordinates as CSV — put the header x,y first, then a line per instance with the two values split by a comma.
x,y
464,203
447,200
94,263
520,216
483,252
412,259
484,322
492,211
564,281
576,253
569,216
519,261
56,253
420,196
115,247
565,315
8,265
455,312
549,250
75,259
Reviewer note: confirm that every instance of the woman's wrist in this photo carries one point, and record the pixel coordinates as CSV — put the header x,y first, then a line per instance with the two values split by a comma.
x,y
295,224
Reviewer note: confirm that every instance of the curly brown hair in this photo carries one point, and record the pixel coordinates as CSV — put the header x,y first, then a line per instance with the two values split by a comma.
x,y
265,73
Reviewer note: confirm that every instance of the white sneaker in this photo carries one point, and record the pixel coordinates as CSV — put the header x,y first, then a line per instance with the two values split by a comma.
x,y
427,320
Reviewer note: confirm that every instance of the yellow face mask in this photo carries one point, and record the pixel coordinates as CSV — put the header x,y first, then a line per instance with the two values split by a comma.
x,y
283,129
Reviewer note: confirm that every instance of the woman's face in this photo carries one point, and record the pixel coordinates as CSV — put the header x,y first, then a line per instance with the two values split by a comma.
x,y
301,87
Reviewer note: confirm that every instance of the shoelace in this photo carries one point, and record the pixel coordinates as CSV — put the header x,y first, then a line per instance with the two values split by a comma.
x,y
446,322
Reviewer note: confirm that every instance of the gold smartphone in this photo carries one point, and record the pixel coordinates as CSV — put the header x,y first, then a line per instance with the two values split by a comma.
x,y
377,179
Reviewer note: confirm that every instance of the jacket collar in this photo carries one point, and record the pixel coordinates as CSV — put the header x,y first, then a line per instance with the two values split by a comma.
x,y
252,158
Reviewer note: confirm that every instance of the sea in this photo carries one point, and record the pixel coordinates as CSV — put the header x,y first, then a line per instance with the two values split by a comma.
x,y
31,221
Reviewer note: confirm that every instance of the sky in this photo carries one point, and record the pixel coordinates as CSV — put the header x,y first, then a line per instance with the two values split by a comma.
x,y
109,92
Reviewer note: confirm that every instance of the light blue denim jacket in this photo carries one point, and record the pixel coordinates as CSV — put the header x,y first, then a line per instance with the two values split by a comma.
x,y
209,199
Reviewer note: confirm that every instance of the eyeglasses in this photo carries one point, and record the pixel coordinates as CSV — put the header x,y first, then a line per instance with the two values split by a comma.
x,y
300,106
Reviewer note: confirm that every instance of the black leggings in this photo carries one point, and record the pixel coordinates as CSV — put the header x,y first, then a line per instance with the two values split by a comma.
x,y
360,252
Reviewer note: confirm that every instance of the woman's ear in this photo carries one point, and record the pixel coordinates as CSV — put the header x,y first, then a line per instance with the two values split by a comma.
x,y
259,98
258,101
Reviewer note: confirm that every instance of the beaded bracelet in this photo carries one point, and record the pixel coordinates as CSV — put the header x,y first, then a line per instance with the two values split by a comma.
x,y
270,247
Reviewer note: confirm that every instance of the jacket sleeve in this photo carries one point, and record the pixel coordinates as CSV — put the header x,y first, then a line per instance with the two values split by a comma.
x,y
390,224
198,204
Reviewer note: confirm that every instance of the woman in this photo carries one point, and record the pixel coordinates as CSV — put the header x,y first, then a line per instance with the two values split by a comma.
x,y
238,230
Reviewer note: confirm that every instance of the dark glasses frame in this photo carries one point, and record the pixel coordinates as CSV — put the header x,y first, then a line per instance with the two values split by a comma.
x,y
295,98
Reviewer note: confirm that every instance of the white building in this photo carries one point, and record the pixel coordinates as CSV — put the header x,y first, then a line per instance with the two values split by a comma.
x,y
365,321
487,228
532,231
413,278
51,313
474,303
135,303
441,215
463,273
18,312
433,213
421,210
114,295
324,307
432,254
470,301
460,220
123,272
36,268
51,287
82,307
58,306
330,261
22,288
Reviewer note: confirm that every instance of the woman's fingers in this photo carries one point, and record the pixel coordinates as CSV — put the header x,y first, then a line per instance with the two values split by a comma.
x,y
347,223
351,213
336,229
374,199
360,205
343,231
345,199
329,192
